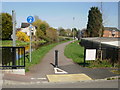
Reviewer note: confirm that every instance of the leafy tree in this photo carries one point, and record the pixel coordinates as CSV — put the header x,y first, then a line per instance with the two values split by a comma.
x,y
37,23
84,32
43,28
0,26
41,25
94,26
52,34
68,32
40,34
61,31
21,36
74,30
6,26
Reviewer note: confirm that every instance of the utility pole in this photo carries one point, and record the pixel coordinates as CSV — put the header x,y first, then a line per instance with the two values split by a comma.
x,y
14,27
100,33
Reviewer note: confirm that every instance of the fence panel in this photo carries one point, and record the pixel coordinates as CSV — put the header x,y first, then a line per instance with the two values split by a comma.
x,y
12,57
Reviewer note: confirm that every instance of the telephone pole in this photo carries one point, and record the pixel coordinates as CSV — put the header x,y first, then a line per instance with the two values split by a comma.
x,y
100,33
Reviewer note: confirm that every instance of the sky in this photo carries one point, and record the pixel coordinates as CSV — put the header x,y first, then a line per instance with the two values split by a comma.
x,y
60,14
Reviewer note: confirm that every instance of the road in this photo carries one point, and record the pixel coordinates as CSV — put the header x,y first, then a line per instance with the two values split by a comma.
x,y
83,84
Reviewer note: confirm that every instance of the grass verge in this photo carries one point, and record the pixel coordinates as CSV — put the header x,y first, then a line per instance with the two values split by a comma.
x,y
38,54
75,52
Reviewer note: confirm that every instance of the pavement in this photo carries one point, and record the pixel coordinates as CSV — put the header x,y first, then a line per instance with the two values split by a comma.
x,y
38,72
102,84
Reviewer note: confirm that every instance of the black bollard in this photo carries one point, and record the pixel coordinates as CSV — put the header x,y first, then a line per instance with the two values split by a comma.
x,y
56,58
84,57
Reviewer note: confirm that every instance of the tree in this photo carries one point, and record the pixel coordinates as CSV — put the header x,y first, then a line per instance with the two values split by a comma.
x,y
6,26
84,32
43,28
61,31
74,30
68,32
94,26
41,25
37,23
40,34
52,34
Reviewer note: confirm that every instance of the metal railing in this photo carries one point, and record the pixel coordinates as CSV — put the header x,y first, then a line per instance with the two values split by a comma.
x,y
12,57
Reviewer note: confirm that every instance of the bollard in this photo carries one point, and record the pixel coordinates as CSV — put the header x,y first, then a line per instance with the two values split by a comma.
x,y
84,56
56,58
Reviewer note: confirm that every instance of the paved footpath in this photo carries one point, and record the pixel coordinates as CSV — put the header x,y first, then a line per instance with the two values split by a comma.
x,y
38,72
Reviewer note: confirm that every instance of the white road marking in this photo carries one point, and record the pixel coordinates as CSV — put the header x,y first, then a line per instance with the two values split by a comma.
x,y
59,71
39,78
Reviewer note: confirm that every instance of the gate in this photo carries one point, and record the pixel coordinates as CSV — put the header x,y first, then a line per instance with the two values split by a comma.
x,y
12,57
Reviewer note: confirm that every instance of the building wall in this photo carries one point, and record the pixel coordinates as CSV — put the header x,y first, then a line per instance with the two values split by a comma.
x,y
108,33
27,30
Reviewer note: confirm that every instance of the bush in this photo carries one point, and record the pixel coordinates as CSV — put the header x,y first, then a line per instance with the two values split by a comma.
x,y
22,36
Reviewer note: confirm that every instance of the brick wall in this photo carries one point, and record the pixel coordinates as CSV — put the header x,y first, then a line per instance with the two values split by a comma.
x,y
108,33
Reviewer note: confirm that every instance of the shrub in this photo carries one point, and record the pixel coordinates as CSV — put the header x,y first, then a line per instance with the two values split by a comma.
x,y
22,36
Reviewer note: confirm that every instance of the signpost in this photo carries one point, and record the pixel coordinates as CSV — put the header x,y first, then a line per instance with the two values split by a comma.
x,y
30,19
89,54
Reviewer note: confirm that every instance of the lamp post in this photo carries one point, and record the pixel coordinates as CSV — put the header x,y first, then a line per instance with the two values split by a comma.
x,y
73,28
14,27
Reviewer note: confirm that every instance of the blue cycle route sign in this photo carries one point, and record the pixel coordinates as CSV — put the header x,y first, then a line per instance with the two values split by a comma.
x,y
30,19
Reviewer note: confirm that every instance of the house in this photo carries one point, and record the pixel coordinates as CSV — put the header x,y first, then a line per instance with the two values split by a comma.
x,y
26,29
111,32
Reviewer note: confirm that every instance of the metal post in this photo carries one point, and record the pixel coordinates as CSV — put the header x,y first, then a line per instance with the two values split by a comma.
x,y
14,58
14,27
56,58
30,42
73,28
84,56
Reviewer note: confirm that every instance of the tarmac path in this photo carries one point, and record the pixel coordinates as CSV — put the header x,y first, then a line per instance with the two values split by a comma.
x,y
38,72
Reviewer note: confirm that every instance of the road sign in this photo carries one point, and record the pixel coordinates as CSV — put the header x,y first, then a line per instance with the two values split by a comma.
x,y
30,19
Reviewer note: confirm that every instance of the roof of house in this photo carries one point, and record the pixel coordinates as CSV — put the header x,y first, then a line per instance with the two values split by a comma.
x,y
105,40
111,28
24,25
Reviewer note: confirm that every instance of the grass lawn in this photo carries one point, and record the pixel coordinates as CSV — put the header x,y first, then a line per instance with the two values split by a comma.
x,y
38,54
10,42
18,43
75,52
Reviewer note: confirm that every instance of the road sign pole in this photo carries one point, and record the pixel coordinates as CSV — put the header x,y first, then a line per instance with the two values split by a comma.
x,y
30,43
30,19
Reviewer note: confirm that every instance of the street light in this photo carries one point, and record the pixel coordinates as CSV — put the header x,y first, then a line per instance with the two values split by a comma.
x,y
113,33
73,28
